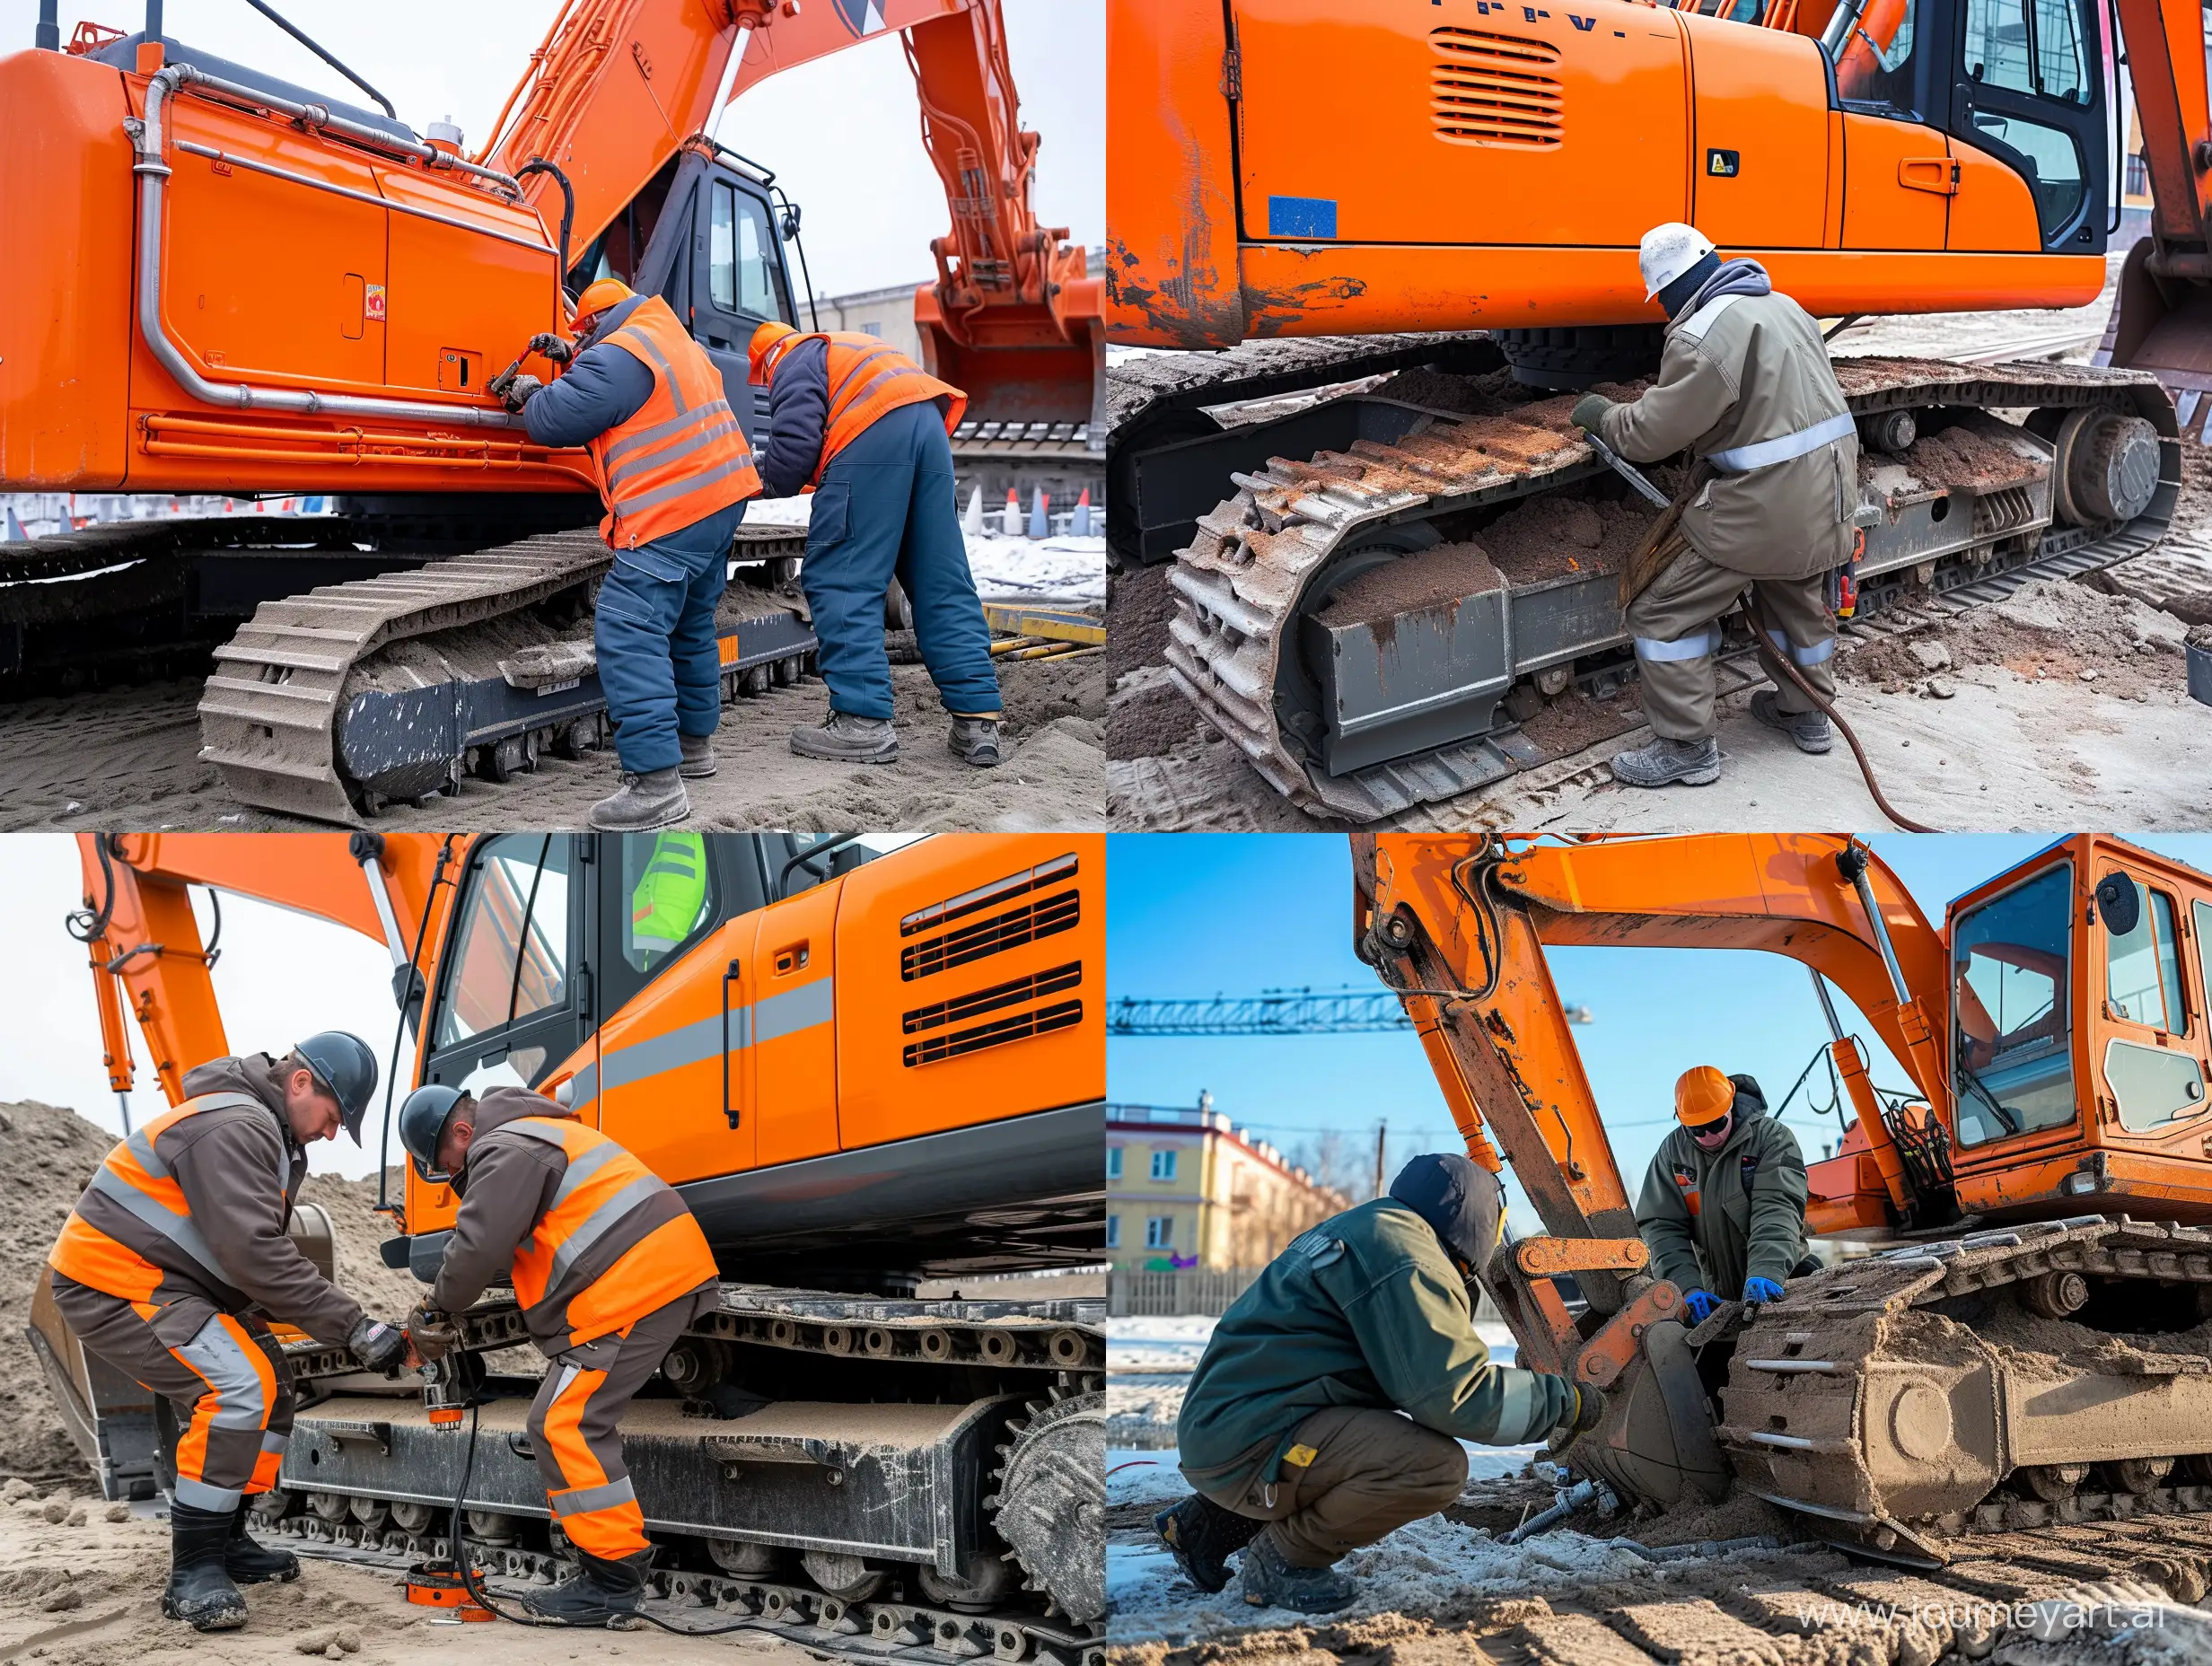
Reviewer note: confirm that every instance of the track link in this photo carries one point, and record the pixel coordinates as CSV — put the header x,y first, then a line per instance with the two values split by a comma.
x,y
1249,577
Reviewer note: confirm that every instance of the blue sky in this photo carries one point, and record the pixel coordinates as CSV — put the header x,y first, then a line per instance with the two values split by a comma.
x,y
1207,914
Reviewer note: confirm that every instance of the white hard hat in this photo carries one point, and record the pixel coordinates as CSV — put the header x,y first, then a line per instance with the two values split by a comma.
x,y
1668,252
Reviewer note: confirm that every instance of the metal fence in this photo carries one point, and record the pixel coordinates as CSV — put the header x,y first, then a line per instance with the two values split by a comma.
x,y
1197,1290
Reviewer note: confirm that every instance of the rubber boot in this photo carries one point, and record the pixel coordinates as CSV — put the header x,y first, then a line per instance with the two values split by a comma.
x,y
698,757
1269,1582
1202,1535
1693,763
975,741
603,1593
846,739
646,801
200,1591
1809,730
250,1562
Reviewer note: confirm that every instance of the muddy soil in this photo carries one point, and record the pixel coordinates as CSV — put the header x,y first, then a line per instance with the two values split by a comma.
x,y
130,757
1493,395
1433,578
1140,603
1153,717
1963,457
2047,629
1548,538
1574,720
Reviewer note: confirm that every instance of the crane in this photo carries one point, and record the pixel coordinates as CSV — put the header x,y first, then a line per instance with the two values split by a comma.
x,y
1271,1013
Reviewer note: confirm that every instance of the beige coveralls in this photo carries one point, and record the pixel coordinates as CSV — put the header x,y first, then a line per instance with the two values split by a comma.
x,y
1743,380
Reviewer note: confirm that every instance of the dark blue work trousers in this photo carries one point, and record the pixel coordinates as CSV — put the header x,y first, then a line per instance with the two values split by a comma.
x,y
659,661
886,506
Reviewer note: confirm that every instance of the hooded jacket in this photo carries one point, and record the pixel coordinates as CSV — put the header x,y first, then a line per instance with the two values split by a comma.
x,y
239,1170
1366,1309
1713,1219
1743,365
510,1183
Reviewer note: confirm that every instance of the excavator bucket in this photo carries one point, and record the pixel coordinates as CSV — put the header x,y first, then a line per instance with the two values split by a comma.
x,y
1022,364
1655,1441
2163,324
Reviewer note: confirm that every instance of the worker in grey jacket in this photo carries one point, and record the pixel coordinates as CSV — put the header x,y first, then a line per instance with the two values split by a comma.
x,y
1331,1401
1745,384
173,1262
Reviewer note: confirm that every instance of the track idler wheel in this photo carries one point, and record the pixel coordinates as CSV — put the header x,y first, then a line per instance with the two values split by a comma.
x,y
1655,1441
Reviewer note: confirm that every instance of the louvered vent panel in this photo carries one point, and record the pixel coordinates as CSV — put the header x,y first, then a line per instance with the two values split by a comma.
x,y
1490,88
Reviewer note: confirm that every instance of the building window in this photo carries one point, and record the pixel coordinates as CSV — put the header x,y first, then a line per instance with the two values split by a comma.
x,y
1113,1163
1113,1231
1163,1165
1160,1232
873,327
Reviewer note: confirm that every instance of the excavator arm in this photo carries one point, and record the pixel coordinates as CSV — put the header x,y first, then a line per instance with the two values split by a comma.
x,y
146,951
618,85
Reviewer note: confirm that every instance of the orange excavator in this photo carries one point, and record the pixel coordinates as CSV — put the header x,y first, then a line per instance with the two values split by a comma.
x,y
242,287
1442,203
2040,1189
863,1070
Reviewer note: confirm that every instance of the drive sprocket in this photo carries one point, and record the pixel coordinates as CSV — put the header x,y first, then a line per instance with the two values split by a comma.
x,y
1050,1501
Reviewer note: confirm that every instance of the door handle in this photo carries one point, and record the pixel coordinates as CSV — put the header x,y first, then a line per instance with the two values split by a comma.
x,y
1936,174
728,978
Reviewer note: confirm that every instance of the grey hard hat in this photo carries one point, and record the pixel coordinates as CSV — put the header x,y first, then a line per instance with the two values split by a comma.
x,y
346,1070
422,1118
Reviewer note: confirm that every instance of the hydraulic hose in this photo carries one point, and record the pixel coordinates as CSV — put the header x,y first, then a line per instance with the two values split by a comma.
x,y
1764,642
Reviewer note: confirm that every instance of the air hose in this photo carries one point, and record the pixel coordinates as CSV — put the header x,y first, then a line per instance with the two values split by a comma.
x,y
1763,642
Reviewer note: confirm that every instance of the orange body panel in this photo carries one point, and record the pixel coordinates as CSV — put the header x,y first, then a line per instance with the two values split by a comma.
x,y
1896,184
794,1088
1994,208
1762,99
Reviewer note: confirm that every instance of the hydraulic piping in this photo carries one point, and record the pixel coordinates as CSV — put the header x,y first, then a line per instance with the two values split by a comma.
x,y
149,141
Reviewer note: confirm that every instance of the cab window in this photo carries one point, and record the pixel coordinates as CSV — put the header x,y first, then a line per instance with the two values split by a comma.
x,y
1875,66
2010,1042
513,949
740,255
2143,969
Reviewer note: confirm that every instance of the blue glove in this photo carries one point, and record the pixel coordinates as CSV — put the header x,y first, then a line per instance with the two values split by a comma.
x,y
1757,1290
1701,1304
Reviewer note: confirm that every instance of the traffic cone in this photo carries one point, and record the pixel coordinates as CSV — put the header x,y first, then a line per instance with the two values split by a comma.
x,y
972,522
1010,523
1041,515
1081,526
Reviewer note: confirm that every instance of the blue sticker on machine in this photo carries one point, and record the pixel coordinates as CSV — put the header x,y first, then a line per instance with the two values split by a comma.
x,y
1302,216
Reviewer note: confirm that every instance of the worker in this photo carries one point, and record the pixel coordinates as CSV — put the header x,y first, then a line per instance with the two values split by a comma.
x,y
1291,1431
866,430
611,1268
1723,1209
675,470
1744,383
170,1267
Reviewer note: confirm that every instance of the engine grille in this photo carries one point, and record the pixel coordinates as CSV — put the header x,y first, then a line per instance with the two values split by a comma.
x,y
1489,89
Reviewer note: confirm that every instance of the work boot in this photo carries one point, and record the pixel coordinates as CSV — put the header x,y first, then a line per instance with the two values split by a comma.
x,y
603,1593
1269,1582
1693,763
200,1591
845,739
655,799
247,1561
1202,1535
975,741
1808,729
698,757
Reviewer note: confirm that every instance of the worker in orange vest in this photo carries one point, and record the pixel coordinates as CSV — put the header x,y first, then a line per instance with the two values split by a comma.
x,y
611,1268
173,1262
675,470
867,431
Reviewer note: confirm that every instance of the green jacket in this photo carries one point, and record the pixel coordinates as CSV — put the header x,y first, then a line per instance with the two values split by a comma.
x,y
1363,1310
1713,1219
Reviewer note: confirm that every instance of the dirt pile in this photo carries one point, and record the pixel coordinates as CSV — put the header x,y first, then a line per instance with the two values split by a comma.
x,y
357,1233
1431,579
1139,605
1964,456
1491,395
1150,721
1553,536
2047,629
47,1156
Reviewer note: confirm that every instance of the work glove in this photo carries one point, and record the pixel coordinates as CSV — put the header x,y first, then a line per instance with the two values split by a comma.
x,y
1588,1407
518,392
1589,409
432,1332
1700,1303
376,1345
553,347
1760,1290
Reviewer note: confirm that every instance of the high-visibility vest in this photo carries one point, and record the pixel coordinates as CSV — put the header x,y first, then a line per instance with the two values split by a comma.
x,y
868,379
683,457
665,902
603,1189
133,1176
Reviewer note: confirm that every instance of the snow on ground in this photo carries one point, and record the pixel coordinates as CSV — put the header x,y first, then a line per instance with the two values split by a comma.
x,y
1430,1567
1065,569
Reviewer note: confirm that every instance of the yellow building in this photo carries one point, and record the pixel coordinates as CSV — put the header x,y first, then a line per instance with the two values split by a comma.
x,y
1186,1187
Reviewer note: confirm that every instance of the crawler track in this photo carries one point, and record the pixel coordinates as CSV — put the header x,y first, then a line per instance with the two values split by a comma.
x,y
1262,560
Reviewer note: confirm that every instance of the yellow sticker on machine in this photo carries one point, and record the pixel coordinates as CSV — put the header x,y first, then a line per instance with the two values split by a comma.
x,y
1298,1457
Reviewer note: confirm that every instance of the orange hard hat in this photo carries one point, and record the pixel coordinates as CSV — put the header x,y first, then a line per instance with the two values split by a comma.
x,y
597,297
1702,1094
768,346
